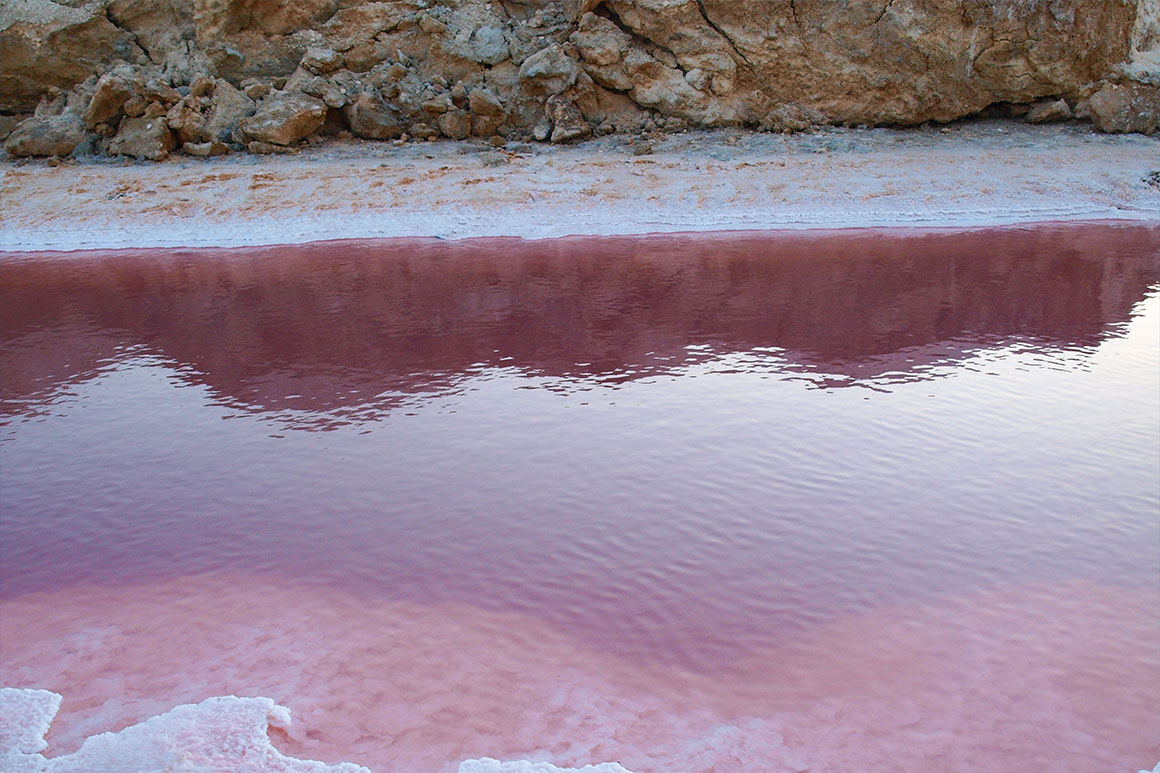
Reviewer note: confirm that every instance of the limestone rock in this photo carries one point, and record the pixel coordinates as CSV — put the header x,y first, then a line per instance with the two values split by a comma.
x,y
549,71
455,124
483,102
285,118
321,61
227,109
45,43
205,149
46,135
567,121
1129,107
773,63
1049,111
113,90
143,138
8,124
370,117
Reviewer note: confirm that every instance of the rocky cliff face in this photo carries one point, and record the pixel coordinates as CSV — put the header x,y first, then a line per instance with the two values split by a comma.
x,y
141,77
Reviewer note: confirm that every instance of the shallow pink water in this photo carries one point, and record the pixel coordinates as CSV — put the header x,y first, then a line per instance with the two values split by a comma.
x,y
873,501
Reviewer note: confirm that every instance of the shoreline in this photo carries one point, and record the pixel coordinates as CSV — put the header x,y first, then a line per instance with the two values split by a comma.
x,y
975,174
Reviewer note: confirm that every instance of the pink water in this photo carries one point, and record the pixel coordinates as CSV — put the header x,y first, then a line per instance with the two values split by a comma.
x,y
843,501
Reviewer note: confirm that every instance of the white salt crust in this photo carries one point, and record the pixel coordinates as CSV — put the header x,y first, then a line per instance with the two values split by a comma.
x,y
969,175
219,734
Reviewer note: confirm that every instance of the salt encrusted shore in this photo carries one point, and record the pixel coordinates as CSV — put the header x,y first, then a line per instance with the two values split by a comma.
x,y
960,175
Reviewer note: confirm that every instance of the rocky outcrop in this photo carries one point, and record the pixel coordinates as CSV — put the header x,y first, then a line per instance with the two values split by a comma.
x,y
227,72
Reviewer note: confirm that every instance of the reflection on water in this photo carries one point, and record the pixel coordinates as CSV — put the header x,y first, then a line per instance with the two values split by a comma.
x,y
330,334
678,450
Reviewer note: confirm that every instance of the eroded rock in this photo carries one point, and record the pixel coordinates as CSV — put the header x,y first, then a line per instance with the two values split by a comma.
x,y
285,118
567,121
1049,111
370,117
1130,107
143,138
46,135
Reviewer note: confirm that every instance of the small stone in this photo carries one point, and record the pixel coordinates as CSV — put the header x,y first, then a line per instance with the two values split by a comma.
x,y
154,110
205,149
489,45
1048,111
321,61
344,135
370,117
438,105
256,91
135,106
483,102
267,148
201,85
431,25
1131,107
550,70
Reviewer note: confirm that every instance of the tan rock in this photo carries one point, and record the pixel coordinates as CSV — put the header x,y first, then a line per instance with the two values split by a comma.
x,y
113,90
205,149
1049,111
1130,107
143,138
45,43
567,121
455,124
549,71
227,108
47,135
285,118
321,61
371,118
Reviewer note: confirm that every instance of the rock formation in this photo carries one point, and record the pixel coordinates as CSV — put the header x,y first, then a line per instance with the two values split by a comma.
x,y
231,74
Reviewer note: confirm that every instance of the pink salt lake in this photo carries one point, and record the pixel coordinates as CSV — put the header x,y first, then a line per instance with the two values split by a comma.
x,y
874,501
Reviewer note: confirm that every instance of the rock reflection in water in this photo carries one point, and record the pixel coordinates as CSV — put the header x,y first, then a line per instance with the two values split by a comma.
x,y
325,328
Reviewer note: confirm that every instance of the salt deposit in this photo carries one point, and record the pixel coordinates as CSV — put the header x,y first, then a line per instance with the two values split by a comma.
x,y
218,734
973,174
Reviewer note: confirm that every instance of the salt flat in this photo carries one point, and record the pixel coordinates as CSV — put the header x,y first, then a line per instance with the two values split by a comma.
x,y
967,174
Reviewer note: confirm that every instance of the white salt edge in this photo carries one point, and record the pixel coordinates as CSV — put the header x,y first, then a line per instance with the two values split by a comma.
x,y
223,733
24,719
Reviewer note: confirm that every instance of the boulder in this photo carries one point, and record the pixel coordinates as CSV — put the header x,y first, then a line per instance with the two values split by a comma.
x,y
567,121
1129,107
285,118
45,43
143,138
483,102
113,90
455,124
227,108
369,117
46,135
